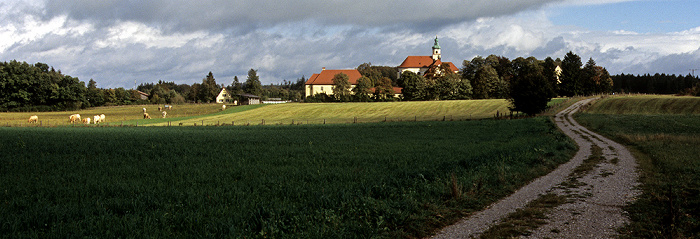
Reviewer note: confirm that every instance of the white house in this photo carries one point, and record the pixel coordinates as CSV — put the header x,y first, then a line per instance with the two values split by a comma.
x,y
224,97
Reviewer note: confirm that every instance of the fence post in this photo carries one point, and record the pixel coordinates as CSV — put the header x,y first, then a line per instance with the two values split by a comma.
x,y
324,121
232,123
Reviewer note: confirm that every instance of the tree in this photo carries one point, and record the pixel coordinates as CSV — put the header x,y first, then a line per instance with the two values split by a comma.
x,y
530,91
252,83
570,75
363,89
485,82
549,70
95,96
208,90
413,86
448,86
383,89
341,87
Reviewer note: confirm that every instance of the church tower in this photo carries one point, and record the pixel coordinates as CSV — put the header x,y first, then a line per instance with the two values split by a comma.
x,y
436,50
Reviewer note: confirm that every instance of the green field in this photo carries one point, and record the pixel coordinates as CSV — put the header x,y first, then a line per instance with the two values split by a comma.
x,y
663,132
384,180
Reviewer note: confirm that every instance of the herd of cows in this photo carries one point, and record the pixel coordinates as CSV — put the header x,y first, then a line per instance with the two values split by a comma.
x,y
99,118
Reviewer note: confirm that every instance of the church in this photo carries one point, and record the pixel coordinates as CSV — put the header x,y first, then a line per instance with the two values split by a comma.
x,y
421,64
322,83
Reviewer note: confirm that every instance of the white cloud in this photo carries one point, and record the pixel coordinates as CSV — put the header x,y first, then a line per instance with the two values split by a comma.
x,y
126,33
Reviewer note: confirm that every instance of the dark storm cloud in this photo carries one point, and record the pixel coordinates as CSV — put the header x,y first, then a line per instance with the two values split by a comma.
x,y
210,15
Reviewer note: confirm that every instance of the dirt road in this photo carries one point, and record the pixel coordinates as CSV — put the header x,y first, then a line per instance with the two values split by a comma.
x,y
595,200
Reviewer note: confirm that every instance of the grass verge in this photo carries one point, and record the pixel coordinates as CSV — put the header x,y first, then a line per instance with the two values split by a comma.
x,y
665,146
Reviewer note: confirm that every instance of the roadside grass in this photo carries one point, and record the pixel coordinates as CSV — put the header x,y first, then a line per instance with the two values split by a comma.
x,y
664,138
526,219
379,180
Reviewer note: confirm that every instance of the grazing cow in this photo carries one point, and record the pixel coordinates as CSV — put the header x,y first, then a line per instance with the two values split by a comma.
x,y
86,120
223,107
164,113
96,119
102,118
75,117
33,119
146,116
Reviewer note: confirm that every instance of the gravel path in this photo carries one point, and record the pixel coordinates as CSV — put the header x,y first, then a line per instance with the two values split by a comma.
x,y
595,206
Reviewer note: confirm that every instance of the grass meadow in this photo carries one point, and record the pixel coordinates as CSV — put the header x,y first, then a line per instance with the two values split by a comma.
x,y
663,132
379,180
340,113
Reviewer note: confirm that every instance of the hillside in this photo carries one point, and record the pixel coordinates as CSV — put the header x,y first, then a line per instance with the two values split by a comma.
x,y
332,113
646,105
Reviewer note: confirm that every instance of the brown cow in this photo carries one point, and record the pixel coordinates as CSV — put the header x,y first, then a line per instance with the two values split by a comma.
x,y
146,116
75,117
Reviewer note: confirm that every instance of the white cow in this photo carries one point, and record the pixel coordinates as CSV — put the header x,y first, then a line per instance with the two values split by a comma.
x,y
86,120
102,118
33,119
223,107
164,113
96,119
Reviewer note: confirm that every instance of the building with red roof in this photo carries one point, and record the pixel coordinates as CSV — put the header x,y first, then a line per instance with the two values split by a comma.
x,y
323,82
421,64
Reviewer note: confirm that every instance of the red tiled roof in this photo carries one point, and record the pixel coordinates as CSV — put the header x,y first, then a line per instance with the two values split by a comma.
x,y
326,77
417,62
424,62
452,66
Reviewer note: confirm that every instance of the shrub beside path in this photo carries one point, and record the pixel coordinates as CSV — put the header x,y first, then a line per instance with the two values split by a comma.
x,y
595,197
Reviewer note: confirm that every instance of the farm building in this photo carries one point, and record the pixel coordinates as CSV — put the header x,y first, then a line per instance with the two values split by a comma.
x,y
142,95
248,99
421,64
323,82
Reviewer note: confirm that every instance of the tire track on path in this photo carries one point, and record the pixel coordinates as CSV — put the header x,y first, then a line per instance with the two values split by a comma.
x,y
594,208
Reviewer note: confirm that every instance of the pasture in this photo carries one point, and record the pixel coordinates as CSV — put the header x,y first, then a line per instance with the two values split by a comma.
x,y
283,114
663,132
380,180
115,115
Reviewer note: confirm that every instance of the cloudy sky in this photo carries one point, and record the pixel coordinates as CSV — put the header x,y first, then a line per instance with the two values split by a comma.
x,y
118,43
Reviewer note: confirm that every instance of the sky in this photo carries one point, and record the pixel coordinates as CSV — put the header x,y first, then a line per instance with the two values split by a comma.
x,y
125,43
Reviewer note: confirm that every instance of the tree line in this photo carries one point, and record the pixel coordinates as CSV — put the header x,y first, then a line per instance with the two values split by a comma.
x,y
528,83
39,87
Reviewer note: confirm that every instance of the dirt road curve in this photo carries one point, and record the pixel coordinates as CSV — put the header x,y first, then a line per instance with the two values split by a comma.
x,y
594,208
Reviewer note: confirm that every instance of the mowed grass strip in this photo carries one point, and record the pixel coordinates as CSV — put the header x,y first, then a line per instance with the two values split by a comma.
x,y
666,148
334,113
378,180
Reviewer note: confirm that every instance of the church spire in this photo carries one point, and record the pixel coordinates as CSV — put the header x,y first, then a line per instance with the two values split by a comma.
x,y
436,50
